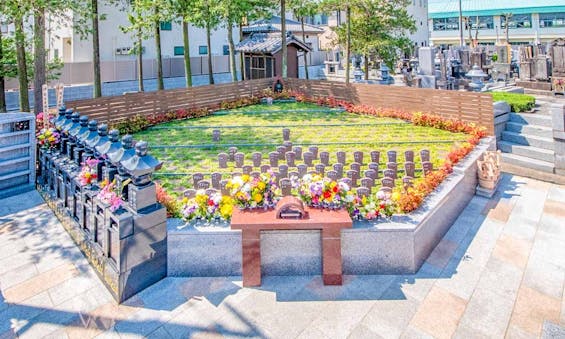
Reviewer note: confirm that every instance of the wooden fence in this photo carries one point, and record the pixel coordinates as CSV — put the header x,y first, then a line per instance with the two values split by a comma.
x,y
466,106
115,108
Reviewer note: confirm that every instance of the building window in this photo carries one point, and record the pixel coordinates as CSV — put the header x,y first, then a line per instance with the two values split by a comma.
x,y
517,21
446,24
552,20
226,50
202,50
481,22
56,53
179,50
166,25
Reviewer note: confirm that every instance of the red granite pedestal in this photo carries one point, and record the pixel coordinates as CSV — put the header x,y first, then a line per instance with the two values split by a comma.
x,y
251,223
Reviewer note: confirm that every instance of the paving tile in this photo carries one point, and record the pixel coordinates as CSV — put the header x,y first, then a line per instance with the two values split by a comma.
x,y
556,193
39,283
552,226
443,252
512,250
70,288
197,316
544,277
549,248
389,318
553,207
439,313
487,314
515,332
415,333
159,333
338,319
500,211
460,277
18,275
501,278
359,332
532,309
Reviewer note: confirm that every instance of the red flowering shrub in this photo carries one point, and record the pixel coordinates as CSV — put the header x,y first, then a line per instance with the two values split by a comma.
x,y
168,201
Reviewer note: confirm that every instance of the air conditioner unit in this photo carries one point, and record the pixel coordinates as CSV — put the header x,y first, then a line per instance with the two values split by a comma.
x,y
123,50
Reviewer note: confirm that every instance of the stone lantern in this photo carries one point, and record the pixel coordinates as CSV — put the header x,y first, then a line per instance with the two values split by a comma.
x,y
60,116
100,140
477,75
142,191
108,149
77,134
386,79
123,152
88,139
358,73
72,133
64,127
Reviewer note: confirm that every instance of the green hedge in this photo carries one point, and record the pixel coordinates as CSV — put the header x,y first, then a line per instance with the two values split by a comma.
x,y
518,102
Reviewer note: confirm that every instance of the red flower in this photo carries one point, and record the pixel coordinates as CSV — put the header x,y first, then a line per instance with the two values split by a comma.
x,y
210,202
327,194
335,189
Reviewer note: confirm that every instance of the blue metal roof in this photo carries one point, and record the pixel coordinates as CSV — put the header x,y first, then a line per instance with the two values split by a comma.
x,y
450,8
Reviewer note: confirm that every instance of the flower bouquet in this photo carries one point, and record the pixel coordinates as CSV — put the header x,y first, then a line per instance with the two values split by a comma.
x,y
377,205
207,207
110,196
254,192
88,172
48,138
318,191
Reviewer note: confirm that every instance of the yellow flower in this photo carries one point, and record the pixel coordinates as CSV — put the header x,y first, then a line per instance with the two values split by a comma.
x,y
364,200
257,197
395,196
184,200
226,210
245,178
261,185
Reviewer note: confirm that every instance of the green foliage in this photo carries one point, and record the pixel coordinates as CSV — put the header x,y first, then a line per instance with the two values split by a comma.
x,y
132,125
518,102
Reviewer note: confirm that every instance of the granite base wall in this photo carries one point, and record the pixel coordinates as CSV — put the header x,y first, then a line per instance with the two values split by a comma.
x,y
399,246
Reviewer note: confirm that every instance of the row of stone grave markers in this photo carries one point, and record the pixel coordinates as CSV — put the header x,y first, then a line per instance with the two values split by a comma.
x,y
216,134
337,171
126,246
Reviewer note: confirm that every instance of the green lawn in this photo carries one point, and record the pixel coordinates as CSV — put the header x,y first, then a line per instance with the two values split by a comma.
x,y
258,128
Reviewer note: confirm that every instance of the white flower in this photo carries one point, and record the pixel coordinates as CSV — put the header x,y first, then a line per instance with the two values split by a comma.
x,y
343,186
381,195
216,198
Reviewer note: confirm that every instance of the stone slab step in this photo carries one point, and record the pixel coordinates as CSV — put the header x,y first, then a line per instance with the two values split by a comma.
x,y
531,119
524,129
532,173
527,151
528,140
534,164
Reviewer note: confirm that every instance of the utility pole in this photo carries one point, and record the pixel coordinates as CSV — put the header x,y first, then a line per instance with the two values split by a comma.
x,y
461,40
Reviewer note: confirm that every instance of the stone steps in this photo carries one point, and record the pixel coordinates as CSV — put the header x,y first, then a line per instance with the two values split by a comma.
x,y
525,129
526,151
528,163
531,119
528,140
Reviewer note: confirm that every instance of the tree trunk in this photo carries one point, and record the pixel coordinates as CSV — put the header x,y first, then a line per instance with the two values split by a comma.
x,y
283,39
160,85
208,42
2,86
39,57
185,40
241,55
96,51
140,62
348,43
22,65
366,59
305,56
231,47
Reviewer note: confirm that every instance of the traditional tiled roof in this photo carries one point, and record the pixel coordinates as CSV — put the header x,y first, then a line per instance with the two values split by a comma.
x,y
450,8
274,25
268,43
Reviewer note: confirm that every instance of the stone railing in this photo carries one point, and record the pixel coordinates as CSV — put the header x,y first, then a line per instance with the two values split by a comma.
x,y
126,245
558,122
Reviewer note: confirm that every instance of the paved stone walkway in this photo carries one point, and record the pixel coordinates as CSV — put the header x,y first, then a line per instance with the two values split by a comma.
x,y
498,272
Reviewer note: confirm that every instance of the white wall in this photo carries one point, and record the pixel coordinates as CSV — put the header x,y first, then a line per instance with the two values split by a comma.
x,y
419,11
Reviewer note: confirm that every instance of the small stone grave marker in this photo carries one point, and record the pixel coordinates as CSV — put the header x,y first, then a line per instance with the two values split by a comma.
x,y
325,158
196,178
387,182
409,156
338,168
409,169
274,159
320,169
247,169
355,166
407,182
281,150
367,182
332,175
391,155
231,153
346,181
288,146
283,171
353,176
286,134
424,155
375,167
363,191
223,187
216,135
427,166
286,186
190,193
308,157
223,160
298,151
265,168
211,191
370,173
216,178
302,170
203,184
340,157
239,159
375,156
388,173
314,151
256,157
394,167
358,157
255,174
293,174
290,159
